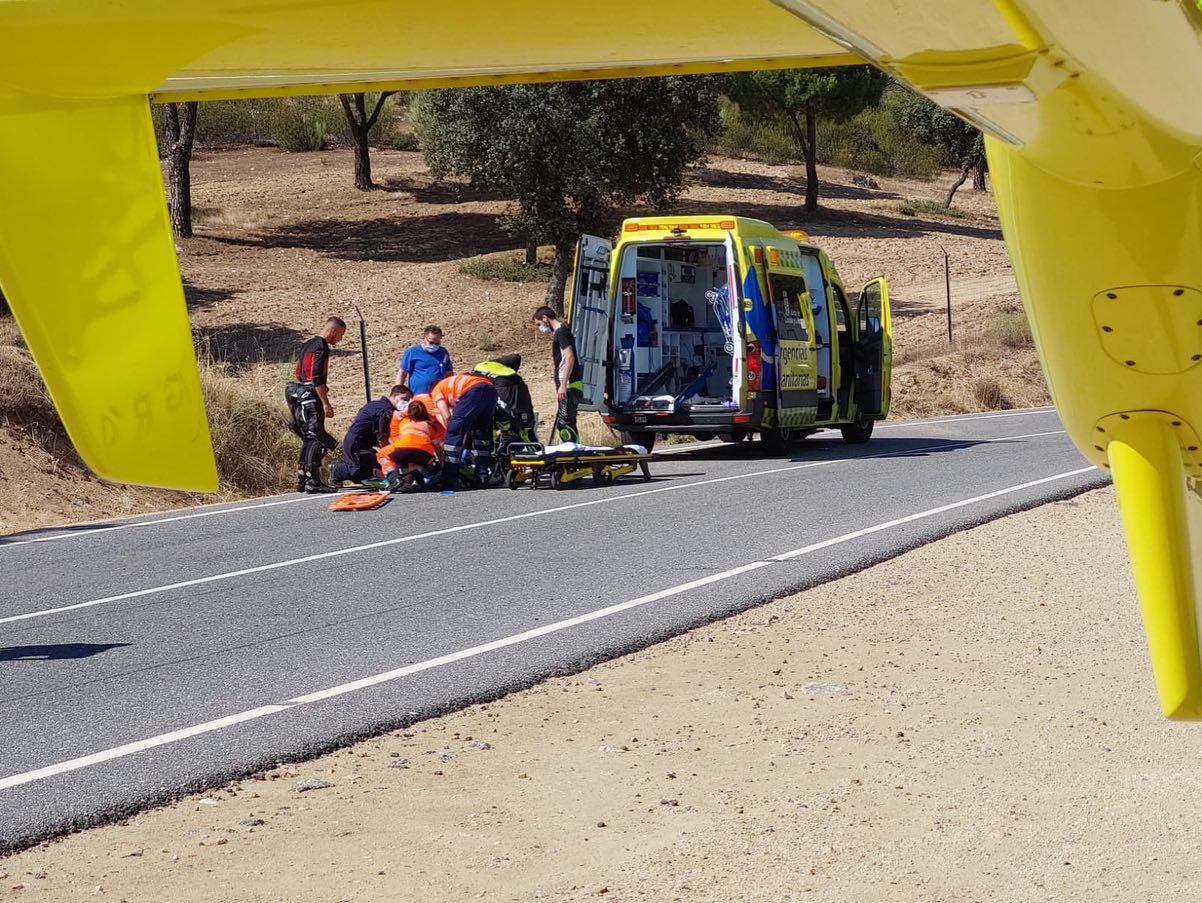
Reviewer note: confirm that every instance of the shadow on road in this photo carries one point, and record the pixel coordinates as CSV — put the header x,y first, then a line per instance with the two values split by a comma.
x,y
27,535
827,449
55,651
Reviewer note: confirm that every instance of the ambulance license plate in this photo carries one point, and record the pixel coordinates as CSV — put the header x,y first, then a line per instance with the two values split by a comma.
x,y
640,418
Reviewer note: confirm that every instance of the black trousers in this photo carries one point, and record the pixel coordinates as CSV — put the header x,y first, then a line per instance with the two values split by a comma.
x,y
308,421
564,429
356,466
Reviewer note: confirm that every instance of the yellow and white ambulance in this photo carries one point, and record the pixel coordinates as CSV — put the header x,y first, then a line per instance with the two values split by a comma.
x,y
724,326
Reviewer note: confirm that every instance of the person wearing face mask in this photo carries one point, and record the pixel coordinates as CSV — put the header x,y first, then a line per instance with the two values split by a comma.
x,y
368,433
568,374
425,363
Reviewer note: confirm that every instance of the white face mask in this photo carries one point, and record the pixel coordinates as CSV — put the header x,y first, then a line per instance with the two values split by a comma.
x,y
545,329
401,404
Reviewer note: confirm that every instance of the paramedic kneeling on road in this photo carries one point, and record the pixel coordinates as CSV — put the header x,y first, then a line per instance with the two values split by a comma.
x,y
568,374
403,460
368,433
466,404
309,405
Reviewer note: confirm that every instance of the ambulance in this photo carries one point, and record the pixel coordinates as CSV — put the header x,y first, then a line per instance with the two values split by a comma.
x,y
725,327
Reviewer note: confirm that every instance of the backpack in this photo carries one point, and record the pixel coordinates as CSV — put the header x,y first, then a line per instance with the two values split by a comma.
x,y
514,405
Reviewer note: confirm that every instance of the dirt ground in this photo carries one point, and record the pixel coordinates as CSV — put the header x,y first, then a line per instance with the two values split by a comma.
x,y
949,725
283,240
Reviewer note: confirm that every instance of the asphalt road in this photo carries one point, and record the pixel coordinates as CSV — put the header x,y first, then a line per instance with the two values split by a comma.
x,y
146,658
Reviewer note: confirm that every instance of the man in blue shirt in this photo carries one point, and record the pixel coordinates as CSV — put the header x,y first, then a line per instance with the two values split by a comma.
x,y
425,363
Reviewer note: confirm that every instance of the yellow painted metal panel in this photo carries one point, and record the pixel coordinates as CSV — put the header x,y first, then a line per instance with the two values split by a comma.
x,y
147,46
89,270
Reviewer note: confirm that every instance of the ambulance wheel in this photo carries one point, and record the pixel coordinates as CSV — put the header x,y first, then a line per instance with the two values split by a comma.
x,y
859,432
734,436
638,437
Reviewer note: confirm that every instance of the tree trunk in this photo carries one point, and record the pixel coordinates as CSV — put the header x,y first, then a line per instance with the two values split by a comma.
x,y
355,108
531,253
811,154
965,170
978,175
180,135
559,276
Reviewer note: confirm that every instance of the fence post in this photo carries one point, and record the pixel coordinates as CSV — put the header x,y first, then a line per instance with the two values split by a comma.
x,y
363,347
947,283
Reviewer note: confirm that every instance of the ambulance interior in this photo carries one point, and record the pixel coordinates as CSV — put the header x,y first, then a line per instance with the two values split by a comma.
x,y
674,327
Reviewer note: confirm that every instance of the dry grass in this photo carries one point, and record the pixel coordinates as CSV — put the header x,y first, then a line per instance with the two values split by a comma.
x,y
1010,329
254,451
989,395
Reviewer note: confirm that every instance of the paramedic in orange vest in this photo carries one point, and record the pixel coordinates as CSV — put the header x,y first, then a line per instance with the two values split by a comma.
x,y
416,446
466,403
402,414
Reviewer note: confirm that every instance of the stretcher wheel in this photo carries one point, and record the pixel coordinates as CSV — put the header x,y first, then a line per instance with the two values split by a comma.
x,y
557,479
646,469
603,476
511,479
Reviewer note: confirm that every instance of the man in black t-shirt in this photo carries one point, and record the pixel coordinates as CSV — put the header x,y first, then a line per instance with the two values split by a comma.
x,y
569,373
309,405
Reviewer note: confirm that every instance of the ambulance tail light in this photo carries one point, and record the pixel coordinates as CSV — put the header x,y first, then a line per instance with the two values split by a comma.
x,y
608,418
755,366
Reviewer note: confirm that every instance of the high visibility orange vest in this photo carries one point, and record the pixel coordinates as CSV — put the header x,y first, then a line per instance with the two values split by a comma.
x,y
426,435
399,418
451,389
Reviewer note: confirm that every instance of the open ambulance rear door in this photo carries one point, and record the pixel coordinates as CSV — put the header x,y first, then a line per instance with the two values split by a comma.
x,y
874,350
589,315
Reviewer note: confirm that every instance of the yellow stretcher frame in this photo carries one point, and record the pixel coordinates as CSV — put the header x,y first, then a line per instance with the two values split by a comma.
x,y
1094,134
530,464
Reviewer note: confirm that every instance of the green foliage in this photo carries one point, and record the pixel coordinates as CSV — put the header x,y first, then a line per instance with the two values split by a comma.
x,y
743,136
959,143
796,99
302,123
387,131
224,122
294,123
912,207
505,270
787,96
570,153
403,141
874,141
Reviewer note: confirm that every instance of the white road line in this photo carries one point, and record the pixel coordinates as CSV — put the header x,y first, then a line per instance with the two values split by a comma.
x,y
686,447
272,501
384,543
961,418
138,746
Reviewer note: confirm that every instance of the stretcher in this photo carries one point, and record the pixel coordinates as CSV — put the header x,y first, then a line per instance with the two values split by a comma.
x,y
359,501
557,466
